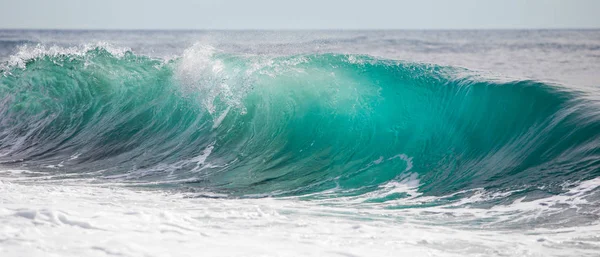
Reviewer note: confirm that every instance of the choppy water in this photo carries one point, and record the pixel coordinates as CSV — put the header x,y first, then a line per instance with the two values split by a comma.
x,y
482,143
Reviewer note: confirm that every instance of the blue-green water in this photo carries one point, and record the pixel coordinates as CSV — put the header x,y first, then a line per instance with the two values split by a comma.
x,y
300,143
293,125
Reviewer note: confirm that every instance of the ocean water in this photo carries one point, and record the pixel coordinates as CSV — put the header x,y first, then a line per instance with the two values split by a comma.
x,y
300,143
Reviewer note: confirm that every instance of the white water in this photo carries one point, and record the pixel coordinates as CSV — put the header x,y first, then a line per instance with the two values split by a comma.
x,y
79,219
46,216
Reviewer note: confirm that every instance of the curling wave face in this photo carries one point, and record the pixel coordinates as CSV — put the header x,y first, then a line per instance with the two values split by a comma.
x,y
319,126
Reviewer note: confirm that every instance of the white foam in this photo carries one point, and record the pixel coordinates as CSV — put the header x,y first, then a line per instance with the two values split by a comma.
x,y
404,157
217,122
26,53
202,73
87,220
200,160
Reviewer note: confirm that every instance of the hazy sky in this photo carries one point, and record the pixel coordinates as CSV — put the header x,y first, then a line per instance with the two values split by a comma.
x,y
299,14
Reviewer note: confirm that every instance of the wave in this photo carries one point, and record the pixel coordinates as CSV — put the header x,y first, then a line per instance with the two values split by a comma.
x,y
332,124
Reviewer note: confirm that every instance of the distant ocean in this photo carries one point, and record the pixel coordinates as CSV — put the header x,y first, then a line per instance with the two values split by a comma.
x,y
300,143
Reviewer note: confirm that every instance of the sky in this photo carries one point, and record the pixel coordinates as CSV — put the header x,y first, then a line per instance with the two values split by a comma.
x,y
299,14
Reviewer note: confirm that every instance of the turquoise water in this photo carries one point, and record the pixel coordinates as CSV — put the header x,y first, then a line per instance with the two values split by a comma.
x,y
323,125
300,143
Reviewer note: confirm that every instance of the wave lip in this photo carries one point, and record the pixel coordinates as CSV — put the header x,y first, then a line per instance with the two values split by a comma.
x,y
292,125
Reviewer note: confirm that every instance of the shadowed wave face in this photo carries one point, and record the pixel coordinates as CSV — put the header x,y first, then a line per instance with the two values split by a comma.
x,y
328,125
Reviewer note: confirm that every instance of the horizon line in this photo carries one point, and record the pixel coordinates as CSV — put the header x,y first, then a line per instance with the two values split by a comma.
x,y
300,29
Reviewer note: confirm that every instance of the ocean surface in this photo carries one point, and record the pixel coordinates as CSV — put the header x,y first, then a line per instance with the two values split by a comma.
x,y
300,143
